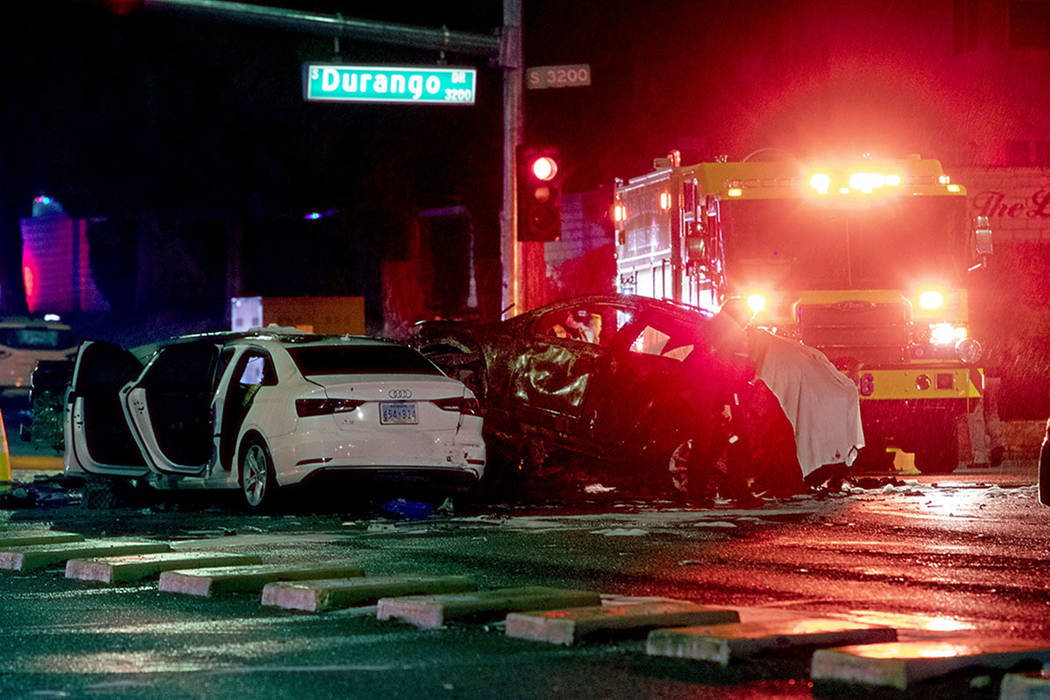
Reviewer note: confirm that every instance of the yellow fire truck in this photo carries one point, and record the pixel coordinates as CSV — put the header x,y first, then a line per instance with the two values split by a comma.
x,y
867,261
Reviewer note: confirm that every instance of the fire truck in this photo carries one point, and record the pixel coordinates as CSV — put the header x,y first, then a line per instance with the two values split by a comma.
x,y
866,260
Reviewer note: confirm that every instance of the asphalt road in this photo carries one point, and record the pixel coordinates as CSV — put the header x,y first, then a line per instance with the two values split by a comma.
x,y
963,554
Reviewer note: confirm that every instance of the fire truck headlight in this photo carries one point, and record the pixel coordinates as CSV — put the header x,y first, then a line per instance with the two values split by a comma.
x,y
931,299
756,302
821,182
942,334
969,351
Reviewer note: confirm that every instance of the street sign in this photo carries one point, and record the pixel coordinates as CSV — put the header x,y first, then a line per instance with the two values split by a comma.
x,y
542,77
333,82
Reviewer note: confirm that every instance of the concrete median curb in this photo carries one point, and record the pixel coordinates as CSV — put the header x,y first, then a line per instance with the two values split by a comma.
x,y
1025,686
722,644
134,567
33,537
570,625
39,556
901,664
210,581
434,611
321,595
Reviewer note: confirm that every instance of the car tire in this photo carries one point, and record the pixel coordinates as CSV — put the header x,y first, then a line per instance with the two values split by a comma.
x,y
107,494
875,457
928,462
257,477
938,448
678,466
692,463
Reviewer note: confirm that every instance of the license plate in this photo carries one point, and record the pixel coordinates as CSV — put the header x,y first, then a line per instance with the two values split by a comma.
x,y
397,413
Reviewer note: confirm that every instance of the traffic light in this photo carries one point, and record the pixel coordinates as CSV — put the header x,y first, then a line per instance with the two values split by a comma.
x,y
123,7
539,193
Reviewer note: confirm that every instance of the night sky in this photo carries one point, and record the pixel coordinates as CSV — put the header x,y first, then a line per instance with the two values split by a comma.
x,y
181,121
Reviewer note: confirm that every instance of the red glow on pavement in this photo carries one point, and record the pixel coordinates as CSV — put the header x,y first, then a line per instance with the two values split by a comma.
x,y
935,623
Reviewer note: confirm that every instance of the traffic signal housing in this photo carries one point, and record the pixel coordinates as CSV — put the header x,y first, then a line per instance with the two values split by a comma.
x,y
540,176
123,7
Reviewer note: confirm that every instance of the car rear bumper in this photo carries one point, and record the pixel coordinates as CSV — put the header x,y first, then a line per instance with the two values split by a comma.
x,y
400,451
379,481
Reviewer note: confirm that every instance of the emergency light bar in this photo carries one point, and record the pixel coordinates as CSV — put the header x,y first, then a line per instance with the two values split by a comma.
x,y
864,182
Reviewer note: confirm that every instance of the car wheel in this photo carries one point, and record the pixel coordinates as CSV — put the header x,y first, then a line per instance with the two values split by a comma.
x,y
678,466
938,448
874,456
105,494
929,461
696,477
693,464
258,482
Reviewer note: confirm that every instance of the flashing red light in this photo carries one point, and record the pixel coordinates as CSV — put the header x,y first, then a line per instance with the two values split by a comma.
x,y
539,193
123,7
545,168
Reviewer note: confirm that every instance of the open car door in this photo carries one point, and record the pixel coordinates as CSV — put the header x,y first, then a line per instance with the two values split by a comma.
x,y
169,408
97,436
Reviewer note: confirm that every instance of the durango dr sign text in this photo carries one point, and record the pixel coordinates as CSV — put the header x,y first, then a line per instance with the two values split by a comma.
x,y
340,83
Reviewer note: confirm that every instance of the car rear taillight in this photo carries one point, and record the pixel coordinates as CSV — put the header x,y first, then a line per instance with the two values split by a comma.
x,y
320,407
460,405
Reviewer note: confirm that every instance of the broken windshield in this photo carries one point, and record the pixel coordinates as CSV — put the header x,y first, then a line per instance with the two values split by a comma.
x,y
889,244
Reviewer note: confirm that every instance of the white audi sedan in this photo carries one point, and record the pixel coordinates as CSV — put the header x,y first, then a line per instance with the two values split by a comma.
x,y
269,408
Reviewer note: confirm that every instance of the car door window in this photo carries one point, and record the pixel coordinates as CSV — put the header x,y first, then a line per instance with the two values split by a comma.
x,y
653,341
253,370
596,324
178,386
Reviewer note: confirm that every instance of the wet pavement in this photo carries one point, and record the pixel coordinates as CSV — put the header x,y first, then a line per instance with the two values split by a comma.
x,y
959,554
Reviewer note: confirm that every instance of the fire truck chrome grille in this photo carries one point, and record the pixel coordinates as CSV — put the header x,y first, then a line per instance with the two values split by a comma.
x,y
865,331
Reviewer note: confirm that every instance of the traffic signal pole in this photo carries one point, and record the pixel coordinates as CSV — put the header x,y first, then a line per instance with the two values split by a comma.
x,y
511,251
504,46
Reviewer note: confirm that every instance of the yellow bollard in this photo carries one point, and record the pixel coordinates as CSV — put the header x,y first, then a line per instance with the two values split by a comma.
x,y
904,462
5,456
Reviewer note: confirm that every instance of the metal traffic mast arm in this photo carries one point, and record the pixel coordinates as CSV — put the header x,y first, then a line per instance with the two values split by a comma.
x,y
335,25
503,47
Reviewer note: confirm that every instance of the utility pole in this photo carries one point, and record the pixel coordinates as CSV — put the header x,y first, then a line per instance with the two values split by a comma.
x,y
511,59
505,47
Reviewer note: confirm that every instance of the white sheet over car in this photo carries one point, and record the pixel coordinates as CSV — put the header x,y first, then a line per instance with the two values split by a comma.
x,y
821,402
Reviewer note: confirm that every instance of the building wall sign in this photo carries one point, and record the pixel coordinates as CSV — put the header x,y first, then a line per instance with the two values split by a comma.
x,y
1016,200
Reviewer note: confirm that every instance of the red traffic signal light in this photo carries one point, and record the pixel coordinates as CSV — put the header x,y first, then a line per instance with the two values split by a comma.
x,y
544,168
539,193
123,7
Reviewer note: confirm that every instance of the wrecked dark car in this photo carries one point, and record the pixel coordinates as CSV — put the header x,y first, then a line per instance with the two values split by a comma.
x,y
647,391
